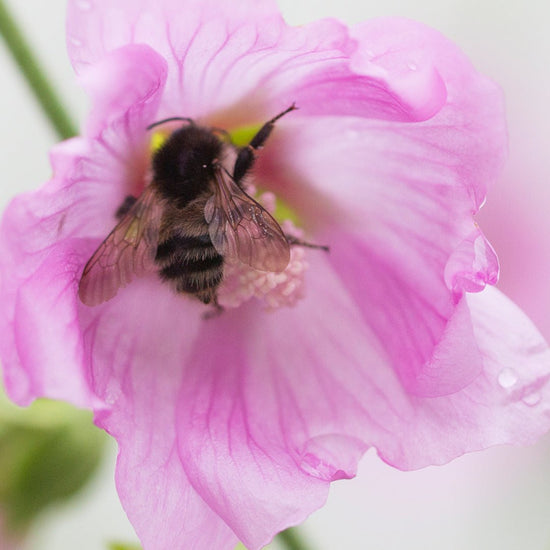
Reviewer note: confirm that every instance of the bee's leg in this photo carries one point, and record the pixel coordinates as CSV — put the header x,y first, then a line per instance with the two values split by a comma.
x,y
124,208
297,242
246,156
216,311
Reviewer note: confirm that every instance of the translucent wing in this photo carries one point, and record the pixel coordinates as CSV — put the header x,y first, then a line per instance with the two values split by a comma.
x,y
241,228
128,251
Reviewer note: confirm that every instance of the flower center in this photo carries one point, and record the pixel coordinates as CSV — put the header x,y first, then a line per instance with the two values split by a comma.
x,y
241,282
158,139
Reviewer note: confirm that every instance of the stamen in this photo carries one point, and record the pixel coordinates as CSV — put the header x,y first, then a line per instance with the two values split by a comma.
x,y
242,136
275,290
157,140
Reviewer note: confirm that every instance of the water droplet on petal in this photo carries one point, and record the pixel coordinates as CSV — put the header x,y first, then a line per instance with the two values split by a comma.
x,y
75,41
112,394
532,399
110,399
507,378
412,66
332,456
472,265
84,5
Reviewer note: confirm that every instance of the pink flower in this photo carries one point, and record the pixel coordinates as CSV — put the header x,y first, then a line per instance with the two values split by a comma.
x,y
232,428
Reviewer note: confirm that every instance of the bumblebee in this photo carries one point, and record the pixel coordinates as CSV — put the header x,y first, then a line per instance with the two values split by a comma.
x,y
193,216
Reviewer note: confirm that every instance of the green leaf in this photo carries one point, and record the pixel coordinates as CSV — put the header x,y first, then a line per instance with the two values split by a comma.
x,y
124,546
292,539
48,451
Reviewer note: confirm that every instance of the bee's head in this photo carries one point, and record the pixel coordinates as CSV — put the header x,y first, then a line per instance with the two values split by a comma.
x,y
184,164
187,154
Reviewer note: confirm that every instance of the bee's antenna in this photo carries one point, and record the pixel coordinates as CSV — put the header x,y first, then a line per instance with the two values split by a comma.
x,y
171,119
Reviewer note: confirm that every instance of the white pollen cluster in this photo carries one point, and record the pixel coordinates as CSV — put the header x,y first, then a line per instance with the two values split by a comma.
x,y
275,290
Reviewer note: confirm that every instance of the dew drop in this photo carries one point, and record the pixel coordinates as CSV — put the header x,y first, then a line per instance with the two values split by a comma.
x,y
84,5
412,66
532,399
332,456
112,395
507,378
75,41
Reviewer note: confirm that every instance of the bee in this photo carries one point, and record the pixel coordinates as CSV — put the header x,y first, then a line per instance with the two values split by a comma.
x,y
193,216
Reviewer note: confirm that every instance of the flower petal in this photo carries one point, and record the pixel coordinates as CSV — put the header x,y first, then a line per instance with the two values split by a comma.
x,y
335,394
398,219
138,361
155,491
399,205
248,59
38,281
45,235
268,410
38,365
452,156
320,389
118,158
411,312
140,75
236,459
95,27
506,404
471,125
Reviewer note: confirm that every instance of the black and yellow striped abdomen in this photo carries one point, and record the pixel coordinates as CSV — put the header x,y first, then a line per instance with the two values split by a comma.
x,y
191,264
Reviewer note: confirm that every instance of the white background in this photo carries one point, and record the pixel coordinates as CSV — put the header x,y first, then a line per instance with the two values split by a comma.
x,y
495,500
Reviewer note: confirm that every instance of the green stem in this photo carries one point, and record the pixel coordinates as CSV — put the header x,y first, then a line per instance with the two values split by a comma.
x,y
36,77
292,539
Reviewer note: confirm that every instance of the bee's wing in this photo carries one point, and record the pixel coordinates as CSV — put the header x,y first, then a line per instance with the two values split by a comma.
x,y
128,251
241,228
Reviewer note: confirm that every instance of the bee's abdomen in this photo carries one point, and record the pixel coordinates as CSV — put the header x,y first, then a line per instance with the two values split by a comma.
x,y
191,264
